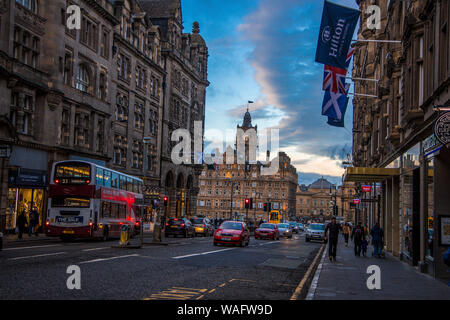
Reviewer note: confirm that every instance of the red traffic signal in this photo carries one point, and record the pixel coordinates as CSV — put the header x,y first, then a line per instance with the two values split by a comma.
x,y
265,206
166,201
247,203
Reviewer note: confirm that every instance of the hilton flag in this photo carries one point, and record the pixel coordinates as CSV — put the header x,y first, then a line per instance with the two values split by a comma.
x,y
336,32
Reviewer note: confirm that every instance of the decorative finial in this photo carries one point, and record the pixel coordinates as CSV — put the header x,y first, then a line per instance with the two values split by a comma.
x,y
195,27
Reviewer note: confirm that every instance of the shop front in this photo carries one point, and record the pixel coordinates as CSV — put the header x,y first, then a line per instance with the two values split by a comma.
x,y
26,191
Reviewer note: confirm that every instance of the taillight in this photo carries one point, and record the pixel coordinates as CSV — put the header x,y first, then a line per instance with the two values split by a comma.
x,y
167,224
88,181
47,223
204,225
182,224
57,181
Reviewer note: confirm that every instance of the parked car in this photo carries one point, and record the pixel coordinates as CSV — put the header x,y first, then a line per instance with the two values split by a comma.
x,y
300,227
293,226
232,232
203,226
267,231
179,227
315,231
284,230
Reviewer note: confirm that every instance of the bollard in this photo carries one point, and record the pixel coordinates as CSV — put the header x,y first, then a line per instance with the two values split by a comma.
x,y
124,235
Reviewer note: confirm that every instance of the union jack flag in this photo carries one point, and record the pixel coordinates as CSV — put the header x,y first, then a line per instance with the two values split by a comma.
x,y
334,78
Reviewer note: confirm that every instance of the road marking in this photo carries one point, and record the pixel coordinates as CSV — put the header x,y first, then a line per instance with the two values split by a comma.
x,y
203,253
300,286
19,248
38,255
178,293
107,259
263,244
312,289
95,249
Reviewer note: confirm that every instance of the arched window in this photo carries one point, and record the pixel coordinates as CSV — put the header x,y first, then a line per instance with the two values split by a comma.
x,y
82,79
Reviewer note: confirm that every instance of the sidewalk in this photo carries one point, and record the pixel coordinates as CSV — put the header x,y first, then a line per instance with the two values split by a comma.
x,y
346,279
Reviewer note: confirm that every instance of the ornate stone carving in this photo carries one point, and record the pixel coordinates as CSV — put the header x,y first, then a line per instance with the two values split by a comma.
x,y
53,100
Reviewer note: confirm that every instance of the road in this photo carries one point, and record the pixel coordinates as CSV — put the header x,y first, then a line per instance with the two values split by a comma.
x,y
186,269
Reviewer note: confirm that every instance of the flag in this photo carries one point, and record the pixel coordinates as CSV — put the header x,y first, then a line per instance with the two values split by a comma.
x,y
335,104
334,78
336,32
336,123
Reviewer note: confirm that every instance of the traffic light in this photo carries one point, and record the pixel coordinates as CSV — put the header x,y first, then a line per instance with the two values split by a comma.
x,y
247,203
269,206
251,203
265,206
166,201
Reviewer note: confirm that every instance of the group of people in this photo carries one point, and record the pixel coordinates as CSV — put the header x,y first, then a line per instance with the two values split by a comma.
x,y
28,222
359,235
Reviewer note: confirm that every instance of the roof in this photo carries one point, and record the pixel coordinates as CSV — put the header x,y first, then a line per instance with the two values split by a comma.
x,y
159,8
321,184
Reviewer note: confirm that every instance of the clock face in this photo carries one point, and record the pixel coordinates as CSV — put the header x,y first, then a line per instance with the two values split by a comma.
x,y
442,128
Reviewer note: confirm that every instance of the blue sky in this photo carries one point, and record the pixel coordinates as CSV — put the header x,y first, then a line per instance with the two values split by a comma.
x,y
263,51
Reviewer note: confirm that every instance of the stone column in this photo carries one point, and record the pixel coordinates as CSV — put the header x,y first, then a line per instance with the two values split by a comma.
x,y
388,212
395,217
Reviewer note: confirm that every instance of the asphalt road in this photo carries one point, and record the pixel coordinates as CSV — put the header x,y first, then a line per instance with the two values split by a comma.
x,y
186,269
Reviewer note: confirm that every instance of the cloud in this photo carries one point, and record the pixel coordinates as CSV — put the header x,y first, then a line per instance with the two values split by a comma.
x,y
284,36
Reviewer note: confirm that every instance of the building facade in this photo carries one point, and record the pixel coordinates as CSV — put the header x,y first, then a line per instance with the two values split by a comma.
x,y
98,93
394,146
224,187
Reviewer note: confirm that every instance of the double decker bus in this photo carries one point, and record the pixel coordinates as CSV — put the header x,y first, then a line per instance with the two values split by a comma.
x,y
89,201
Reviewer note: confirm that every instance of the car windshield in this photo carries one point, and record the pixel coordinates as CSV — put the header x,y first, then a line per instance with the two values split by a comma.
x,y
317,227
267,226
283,225
292,224
197,221
231,225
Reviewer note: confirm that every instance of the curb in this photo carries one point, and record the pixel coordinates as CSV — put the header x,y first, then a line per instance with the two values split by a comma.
x,y
302,288
315,281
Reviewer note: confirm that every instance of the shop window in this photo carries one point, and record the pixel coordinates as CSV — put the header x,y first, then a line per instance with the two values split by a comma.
x,y
430,236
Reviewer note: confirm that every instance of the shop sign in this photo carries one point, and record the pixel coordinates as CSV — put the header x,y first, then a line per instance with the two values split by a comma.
x,y
5,151
444,231
366,188
356,201
442,129
25,177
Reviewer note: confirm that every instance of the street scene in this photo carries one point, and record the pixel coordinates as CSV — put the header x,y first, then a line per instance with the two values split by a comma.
x,y
211,151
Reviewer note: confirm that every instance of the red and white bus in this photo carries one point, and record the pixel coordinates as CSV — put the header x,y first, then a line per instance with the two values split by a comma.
x,y
89,201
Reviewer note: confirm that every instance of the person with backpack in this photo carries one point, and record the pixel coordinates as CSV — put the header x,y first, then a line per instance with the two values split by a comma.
x,y
346,232
34,217
377,234
358,236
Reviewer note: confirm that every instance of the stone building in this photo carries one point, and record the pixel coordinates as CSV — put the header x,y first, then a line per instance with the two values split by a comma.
x,y
224,187
185,61
98,93
394,145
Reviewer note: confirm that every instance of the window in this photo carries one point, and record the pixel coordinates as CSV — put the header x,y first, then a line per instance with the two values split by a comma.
x,y
29,4
104,45
68,68
107,178
99,177
65,126
139,115
82,130
89,33
102,87
82,83
123,183
115,180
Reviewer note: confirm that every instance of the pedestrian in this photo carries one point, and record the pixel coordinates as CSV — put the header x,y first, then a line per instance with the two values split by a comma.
x,y
364,246
377,234
346,233
21,223
332,233
35,218
358,236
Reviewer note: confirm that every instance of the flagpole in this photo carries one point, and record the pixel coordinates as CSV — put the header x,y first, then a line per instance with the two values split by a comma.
x,y
362,79
386,41
361,94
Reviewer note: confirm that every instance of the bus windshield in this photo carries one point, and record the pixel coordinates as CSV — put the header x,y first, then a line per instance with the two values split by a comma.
x,y
73,170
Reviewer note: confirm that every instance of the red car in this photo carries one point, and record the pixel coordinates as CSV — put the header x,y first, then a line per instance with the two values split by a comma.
x,y
232,232
267,231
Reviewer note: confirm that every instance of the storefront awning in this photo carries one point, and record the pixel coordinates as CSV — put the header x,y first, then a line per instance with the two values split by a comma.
x,y
363,174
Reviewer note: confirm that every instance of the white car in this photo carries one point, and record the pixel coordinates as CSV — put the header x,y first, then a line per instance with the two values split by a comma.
x,y
315,231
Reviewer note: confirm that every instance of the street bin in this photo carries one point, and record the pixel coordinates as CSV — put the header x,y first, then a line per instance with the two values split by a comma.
x,y
125,235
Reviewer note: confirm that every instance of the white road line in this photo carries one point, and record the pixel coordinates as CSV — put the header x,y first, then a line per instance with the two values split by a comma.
x,y
263,244
107,259
202,253
38,255
312,289
19,248
95,249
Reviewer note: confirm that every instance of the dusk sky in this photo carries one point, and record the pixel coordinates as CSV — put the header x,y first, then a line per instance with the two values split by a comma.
x,y
263,51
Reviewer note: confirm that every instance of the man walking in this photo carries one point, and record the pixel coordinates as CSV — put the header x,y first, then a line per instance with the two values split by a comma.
x,y
358,236
377,234
332,232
